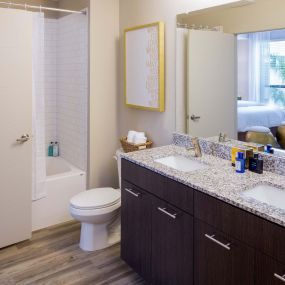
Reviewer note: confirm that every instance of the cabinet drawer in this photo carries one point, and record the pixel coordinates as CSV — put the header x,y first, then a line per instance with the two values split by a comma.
x,y
167,189
256,232
268,271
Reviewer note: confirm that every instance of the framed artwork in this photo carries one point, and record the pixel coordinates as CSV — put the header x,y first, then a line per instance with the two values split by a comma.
x,y
144,67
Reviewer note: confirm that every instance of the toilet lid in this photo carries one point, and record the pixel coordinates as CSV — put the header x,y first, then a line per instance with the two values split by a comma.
x,y
96,198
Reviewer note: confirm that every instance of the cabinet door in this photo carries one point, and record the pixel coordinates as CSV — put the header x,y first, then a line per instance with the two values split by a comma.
x,y
220,259
268,271
172,245
136,229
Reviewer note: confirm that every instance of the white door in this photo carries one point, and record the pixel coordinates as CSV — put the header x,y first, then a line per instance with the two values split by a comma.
x,y
211,83
15,121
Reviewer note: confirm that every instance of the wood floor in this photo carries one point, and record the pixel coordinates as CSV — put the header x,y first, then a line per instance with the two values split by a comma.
x,y
52,257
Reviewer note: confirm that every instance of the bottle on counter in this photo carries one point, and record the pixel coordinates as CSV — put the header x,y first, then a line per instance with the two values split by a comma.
x,y
256,163
240,163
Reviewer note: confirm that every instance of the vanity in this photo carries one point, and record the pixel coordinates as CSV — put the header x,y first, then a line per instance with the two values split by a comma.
x,y
198,227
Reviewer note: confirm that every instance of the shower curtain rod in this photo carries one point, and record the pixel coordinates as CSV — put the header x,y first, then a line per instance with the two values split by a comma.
x,y
41,8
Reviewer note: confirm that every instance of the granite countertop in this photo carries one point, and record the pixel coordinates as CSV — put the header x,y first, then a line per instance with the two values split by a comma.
x,y
218,180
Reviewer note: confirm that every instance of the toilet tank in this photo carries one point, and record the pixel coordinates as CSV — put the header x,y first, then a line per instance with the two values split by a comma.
x,y
118,158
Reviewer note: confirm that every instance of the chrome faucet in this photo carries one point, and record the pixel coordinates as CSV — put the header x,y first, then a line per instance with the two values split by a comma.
x,y
196,147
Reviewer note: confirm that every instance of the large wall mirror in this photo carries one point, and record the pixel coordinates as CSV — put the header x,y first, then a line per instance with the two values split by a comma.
x,y
230,72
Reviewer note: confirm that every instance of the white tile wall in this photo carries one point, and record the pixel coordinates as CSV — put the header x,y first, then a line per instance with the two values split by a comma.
x,y
67,86
50,79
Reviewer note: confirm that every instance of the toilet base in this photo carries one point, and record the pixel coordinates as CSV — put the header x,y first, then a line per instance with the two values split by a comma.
x,y
99,236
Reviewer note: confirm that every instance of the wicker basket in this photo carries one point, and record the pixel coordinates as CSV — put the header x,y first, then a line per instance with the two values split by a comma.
x,y
129,147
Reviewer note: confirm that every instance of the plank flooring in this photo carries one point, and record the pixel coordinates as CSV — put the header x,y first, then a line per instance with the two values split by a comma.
x,y
53,257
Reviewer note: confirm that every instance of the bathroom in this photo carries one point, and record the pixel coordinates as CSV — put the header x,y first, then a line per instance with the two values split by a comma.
x,y
175,213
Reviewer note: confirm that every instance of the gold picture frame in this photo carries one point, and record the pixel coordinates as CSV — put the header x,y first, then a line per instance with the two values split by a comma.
x,y
144,67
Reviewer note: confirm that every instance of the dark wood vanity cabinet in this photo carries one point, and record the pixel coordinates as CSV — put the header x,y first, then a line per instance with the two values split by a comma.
x,y
220,259
173,234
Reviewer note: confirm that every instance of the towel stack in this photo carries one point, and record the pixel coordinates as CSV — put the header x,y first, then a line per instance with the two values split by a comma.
x,y
136,137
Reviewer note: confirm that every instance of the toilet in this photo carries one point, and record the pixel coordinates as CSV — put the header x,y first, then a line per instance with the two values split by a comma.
x,y
98,210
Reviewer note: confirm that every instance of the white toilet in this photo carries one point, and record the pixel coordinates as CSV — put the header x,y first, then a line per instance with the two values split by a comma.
x,y
98,210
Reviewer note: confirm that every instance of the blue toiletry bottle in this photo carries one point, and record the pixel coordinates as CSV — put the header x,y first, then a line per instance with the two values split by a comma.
x,y
50,149
240,163
269,148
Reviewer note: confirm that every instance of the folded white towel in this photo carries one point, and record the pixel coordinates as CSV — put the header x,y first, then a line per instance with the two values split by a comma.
x,y
136,137
140,140
131,136
140,134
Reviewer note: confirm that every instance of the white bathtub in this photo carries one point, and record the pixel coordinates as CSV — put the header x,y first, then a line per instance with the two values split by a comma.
x,y
63,181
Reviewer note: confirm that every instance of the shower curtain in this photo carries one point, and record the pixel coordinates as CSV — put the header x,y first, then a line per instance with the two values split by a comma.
x,y
38,116
259,66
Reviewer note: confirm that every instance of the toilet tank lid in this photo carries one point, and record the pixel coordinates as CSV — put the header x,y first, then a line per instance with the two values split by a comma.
x,y
96,198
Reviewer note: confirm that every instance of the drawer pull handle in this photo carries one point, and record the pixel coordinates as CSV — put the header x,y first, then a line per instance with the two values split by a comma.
x,y
132,192
282,278
212,238
163,210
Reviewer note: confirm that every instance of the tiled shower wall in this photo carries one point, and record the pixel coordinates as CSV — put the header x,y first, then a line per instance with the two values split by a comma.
x,y
50,79
66,87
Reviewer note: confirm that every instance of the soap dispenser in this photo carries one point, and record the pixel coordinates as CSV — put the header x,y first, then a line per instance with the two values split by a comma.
x,y
55,149
50,149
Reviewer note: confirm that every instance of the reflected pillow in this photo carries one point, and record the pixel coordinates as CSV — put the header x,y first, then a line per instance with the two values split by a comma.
x,y
243,103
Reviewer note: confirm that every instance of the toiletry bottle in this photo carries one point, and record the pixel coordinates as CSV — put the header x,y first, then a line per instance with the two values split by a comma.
x,y
50,149
253,162
268,148
55,149
240,163
259,168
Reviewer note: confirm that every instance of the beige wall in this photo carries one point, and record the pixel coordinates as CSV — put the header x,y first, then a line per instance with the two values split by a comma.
x,y
159,126
104,38
263,15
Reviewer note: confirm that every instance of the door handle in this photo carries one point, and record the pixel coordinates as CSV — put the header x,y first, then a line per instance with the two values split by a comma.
x,y
279,277
213,239
23,138
164,211
195,118
137,195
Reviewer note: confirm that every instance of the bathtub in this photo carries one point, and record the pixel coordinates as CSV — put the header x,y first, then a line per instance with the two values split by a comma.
x,y
63,182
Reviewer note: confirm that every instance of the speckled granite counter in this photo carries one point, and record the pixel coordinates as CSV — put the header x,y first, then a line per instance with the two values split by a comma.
x,y
218,180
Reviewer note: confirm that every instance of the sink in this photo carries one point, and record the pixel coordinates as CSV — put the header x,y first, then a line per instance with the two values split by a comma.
x,y
182,163
267,194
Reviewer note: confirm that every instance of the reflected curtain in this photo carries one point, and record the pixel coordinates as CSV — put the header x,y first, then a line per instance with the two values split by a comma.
x,y
38,116
259,66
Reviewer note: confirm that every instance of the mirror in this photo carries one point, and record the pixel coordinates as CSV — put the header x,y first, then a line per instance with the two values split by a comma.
x,y
230,72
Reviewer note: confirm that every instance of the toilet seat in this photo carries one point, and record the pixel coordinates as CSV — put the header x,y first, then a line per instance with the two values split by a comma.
x,y
98,198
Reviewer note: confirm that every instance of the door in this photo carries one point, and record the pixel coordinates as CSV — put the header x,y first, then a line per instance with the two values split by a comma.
x,y
211,84
269,271
15,121
136,229
220,259
172,245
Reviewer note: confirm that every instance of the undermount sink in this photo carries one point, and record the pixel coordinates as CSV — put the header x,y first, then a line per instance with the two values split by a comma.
x,y
267,194
182,163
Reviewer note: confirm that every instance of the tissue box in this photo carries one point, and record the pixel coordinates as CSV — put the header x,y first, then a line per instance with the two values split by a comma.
x,y
255,146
